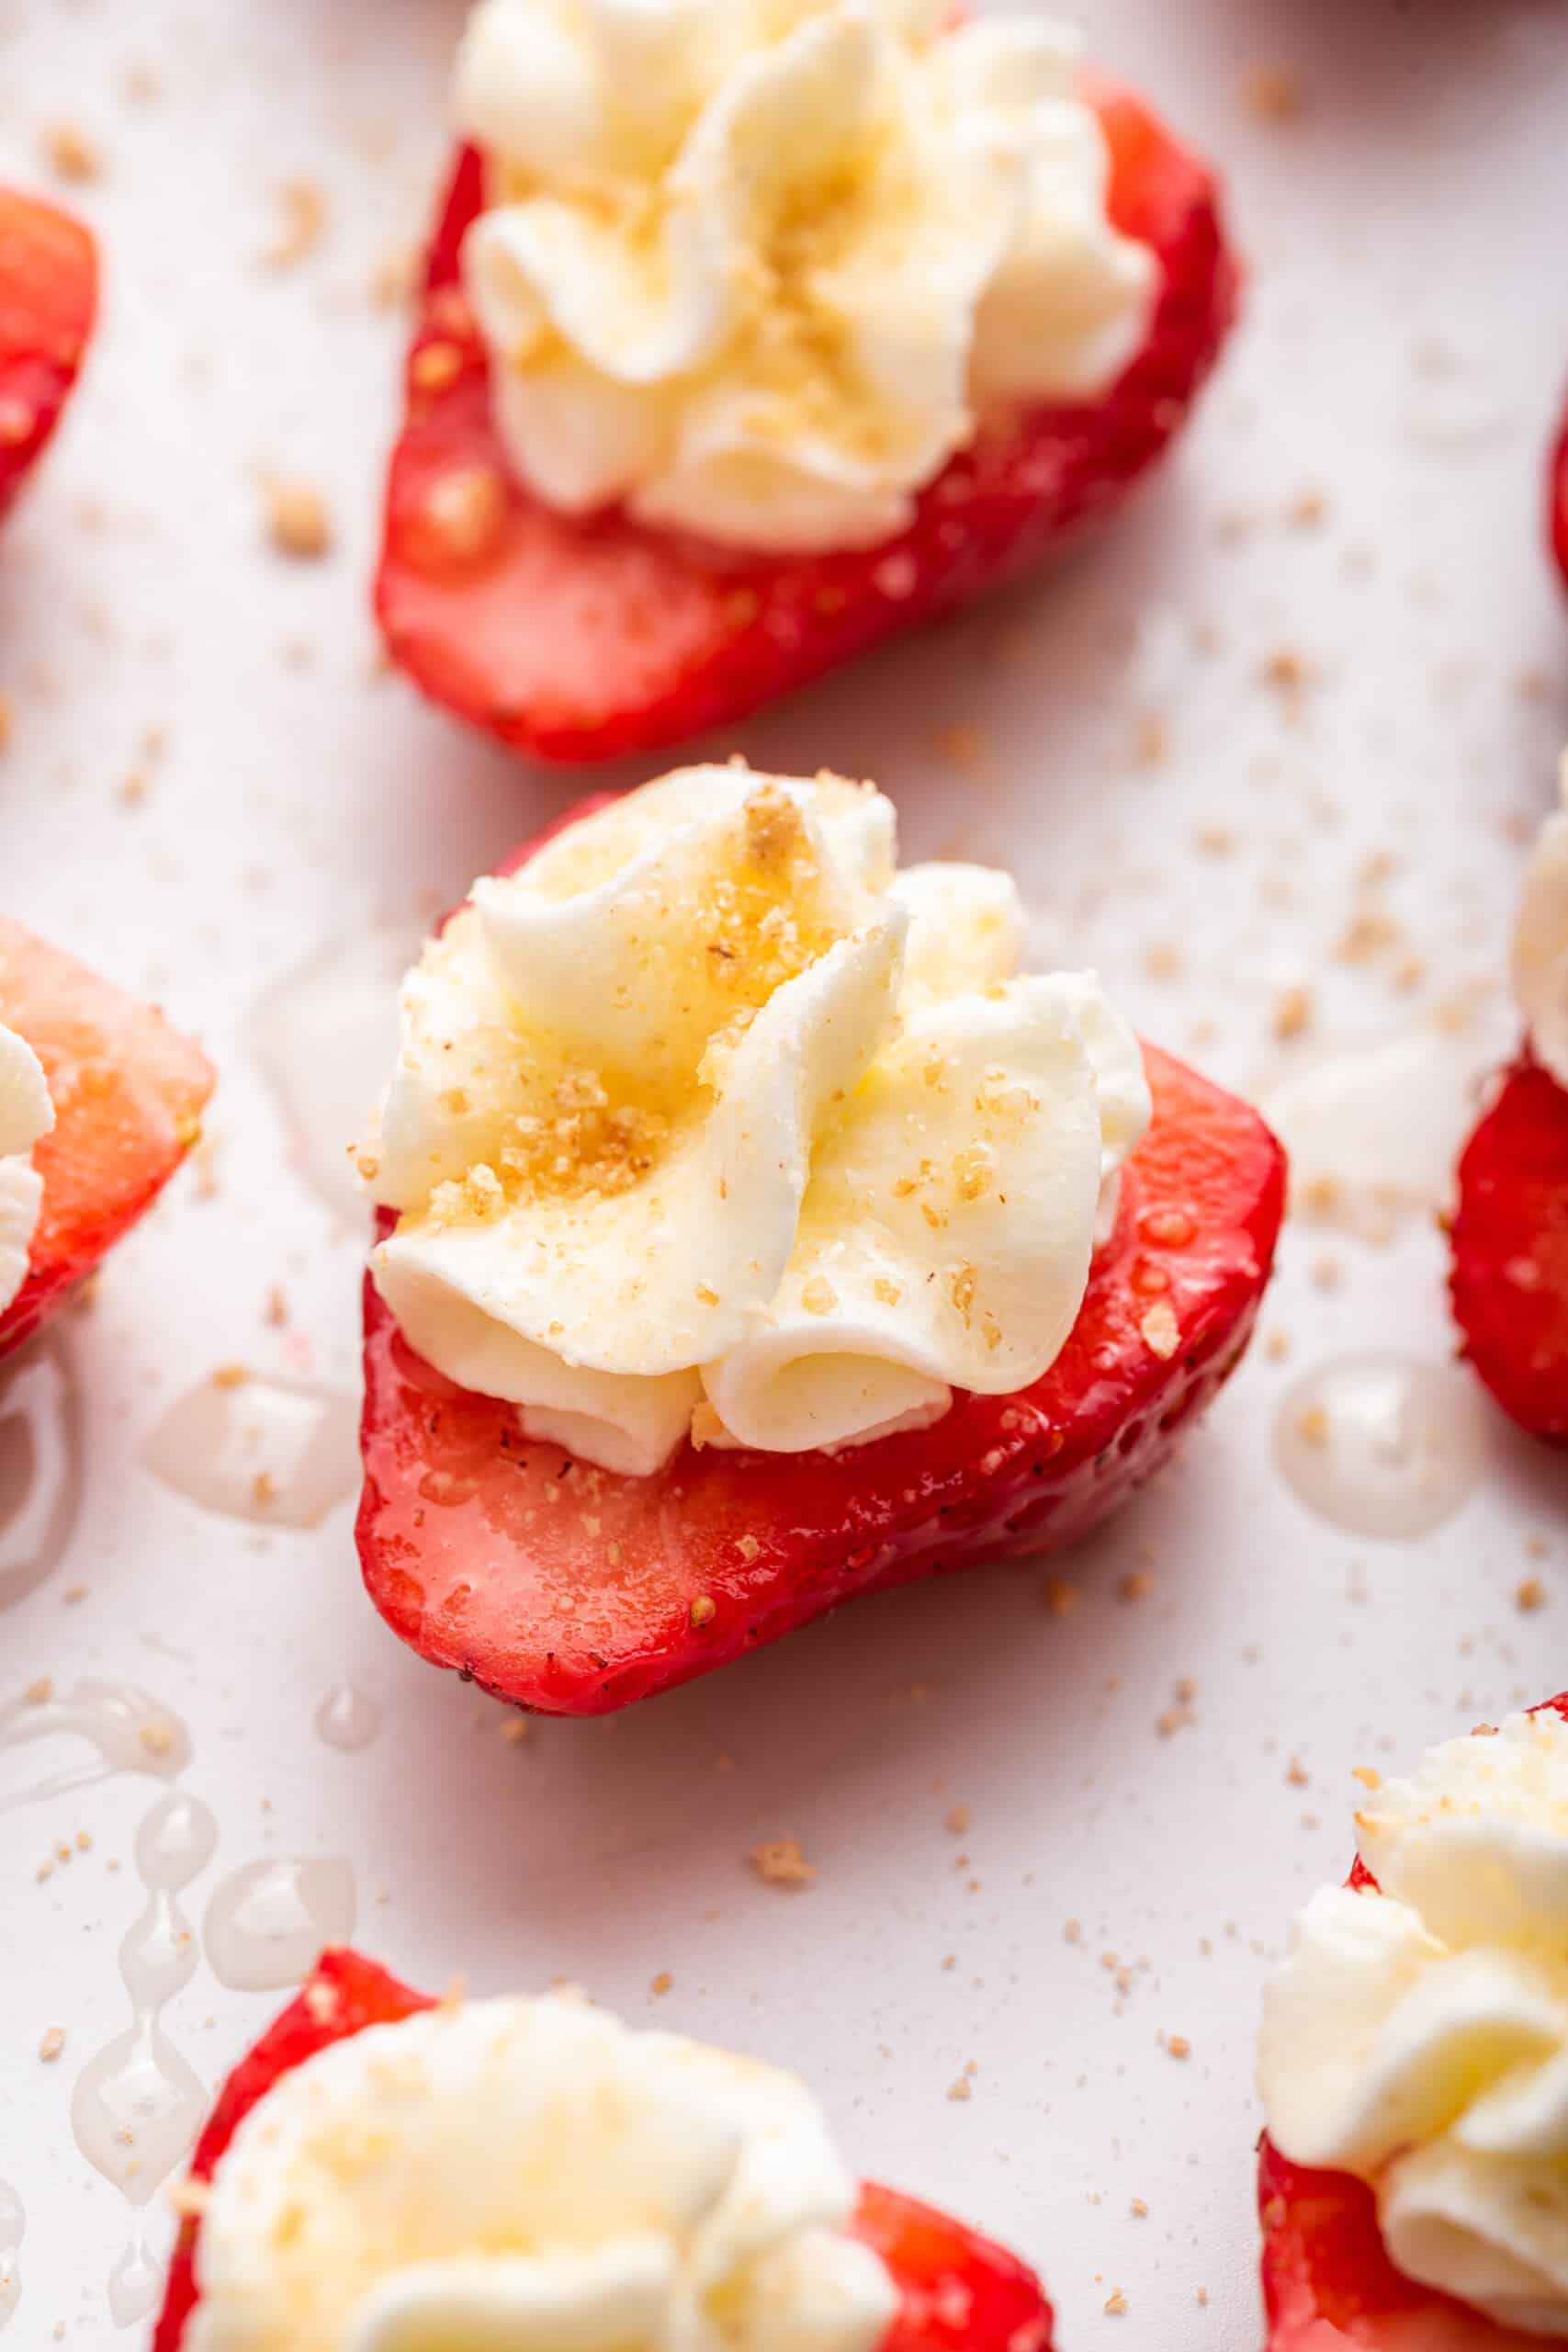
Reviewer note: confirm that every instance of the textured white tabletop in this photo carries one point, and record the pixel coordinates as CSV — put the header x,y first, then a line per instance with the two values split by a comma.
x,y
1284,731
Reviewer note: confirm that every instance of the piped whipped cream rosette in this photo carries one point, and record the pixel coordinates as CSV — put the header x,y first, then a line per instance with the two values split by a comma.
x,y
757,269
1418,2035
709,1123
25,1114
533,2175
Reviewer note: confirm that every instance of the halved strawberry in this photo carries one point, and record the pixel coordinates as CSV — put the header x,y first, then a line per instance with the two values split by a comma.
x,y
579,640
48,291
570,1590
127,1093
1557,500
1509,1242
1328,2286
959,2292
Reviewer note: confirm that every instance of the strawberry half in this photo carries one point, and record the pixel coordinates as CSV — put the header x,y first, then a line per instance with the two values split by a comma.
x,y
1557,500
581,639
1509,1242
49,292
958,2292
1328,2286
567,1588
127,1093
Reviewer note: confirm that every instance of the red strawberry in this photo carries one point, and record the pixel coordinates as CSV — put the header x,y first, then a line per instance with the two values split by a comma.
x,y
567,1588
127,1092
1327,2284
960,2293
48,289
1509,1278
1557,502
579,640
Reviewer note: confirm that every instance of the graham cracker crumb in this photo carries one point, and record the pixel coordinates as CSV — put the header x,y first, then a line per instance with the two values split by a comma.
x,y
297,521
230,1375
965,744
1061,1598
71,154
54,2043
1136,1587
304,208
662,1982
1116,2303
778,1861
40,1691
516,1731
962,2089
1292,1012
1177,2045
957,1820
1273,94
1530,1595
1139,2210
1368,1775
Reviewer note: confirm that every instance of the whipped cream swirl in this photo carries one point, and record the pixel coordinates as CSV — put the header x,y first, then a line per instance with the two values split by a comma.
x,y
25,1114
758,268
1417,2037
707,1121
533,2175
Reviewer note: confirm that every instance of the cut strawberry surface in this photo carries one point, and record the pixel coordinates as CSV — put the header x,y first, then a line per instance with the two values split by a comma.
x,y
1328,2286
127,1093
48,287
567,1588
583,639
1509,1241
958,2291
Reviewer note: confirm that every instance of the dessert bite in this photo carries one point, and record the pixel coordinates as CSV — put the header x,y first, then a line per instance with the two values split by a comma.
x,y
100,1100
755,334
752,1234
1509,1236
385,2172
48,291
1413,2066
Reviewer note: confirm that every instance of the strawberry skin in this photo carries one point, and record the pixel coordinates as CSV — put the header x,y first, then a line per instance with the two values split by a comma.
x,y
49,290
566,1588
1509,1244
1557,502
579,640
958,2291
127,1093
1328,2286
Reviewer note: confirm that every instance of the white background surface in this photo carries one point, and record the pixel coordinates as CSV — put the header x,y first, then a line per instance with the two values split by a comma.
x,y
1405,339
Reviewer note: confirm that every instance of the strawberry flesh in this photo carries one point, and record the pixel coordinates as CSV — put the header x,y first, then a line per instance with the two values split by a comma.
x,y
48,281
1509,1244
127,1093
1329,2284
581,639
958,2292
568,1590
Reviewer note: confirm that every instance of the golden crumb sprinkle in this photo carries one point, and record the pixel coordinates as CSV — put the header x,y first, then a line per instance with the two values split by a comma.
x,y
1139,2210
52,2045
1177,2045
230,1375
662,1983
1273,94
1116,2303
962,2089
1531,1594
965,744
304,209
516,1731
1312,1425
1060,1597
71,154
1292,1012
40,1692
1368,1775
957,1820
1136,1586
778,1861
297,520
